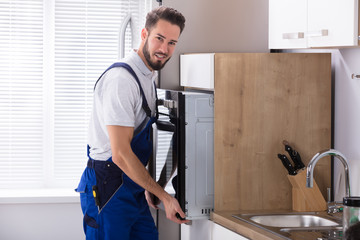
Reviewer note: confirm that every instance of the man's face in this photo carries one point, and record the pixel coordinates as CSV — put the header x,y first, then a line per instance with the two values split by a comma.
x,y
160,44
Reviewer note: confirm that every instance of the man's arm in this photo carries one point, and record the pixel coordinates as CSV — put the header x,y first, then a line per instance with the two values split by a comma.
x,y
127,161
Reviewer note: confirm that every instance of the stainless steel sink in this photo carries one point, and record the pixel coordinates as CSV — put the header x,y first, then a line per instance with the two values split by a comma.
x,y
297,225
293,220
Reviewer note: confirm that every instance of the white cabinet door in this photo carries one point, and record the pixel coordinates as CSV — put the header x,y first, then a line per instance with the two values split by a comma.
x,y
312,23
332,23
207,230
287,24
221,233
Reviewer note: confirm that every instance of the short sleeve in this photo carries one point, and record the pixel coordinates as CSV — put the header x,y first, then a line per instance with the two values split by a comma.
x,y
120,98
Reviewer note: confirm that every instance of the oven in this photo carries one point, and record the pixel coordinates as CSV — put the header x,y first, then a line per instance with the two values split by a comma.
x,y
183,156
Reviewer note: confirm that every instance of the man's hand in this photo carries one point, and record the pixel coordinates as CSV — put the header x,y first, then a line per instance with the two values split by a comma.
x,y
172,207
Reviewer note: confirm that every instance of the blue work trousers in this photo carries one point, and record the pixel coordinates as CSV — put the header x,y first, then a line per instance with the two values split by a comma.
x,y
122,212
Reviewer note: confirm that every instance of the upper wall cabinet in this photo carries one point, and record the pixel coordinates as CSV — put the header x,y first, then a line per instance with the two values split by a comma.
x,y
313,23
197,71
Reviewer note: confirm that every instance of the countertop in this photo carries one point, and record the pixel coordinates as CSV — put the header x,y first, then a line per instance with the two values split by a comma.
x,y
225,219
245,229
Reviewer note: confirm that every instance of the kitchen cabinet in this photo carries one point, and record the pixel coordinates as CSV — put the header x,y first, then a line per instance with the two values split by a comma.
x,y
197,71
220,233
262,99
207,230
286,27
313,24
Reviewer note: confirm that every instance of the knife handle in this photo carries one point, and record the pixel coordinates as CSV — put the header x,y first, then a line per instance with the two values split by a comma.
x,y
295,157
285,161
298,160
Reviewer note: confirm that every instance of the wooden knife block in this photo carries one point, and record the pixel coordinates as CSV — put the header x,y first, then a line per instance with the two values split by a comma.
x,y
306,199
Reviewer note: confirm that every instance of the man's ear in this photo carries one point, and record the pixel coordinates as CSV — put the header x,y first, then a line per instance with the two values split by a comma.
x,y
144,33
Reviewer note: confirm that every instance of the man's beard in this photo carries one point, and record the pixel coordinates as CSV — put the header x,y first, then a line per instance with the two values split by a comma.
x,y
154,65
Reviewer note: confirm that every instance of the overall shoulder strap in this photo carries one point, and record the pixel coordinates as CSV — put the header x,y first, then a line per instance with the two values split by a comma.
x,y
145,105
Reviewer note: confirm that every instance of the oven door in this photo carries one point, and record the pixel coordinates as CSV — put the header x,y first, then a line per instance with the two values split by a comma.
x,y
183,154
168,155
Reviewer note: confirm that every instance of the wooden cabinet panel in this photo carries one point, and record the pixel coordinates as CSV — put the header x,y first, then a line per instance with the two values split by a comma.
x,y
260,100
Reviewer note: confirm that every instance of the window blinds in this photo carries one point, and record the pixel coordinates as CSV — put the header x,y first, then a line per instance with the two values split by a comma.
x,y
21,93
54,51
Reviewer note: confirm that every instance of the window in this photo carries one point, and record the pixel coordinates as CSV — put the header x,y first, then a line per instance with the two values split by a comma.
x,y
52,52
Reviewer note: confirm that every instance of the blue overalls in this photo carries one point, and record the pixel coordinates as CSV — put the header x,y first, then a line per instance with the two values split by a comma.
x,y
120,210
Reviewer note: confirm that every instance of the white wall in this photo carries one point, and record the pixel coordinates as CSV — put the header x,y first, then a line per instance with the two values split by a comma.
x,y
41,221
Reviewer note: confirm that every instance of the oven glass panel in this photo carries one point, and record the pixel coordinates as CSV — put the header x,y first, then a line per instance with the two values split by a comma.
x,y
165,165
164,160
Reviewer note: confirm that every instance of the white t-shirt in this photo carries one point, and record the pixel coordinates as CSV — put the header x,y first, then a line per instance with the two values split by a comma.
x,y
117,101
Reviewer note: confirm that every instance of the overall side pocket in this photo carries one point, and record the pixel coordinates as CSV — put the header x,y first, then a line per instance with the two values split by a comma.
x,y
87,201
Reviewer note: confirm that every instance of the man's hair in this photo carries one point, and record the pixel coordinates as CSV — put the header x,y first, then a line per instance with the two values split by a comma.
x,y
165,13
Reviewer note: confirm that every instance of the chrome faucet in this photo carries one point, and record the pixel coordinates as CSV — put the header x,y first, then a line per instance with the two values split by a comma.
x,y
317,157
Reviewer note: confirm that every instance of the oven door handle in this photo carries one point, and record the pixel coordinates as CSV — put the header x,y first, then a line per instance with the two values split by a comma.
x,y
165,126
